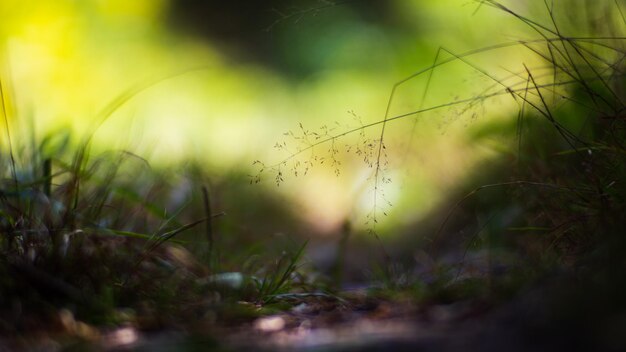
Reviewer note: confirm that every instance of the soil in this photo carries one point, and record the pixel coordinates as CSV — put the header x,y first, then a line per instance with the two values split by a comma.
x,y
356,323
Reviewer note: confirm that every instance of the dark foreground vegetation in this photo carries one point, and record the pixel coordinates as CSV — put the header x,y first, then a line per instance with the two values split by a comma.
x,y
528,254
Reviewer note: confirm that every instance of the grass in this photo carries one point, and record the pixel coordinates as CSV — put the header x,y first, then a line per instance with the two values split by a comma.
x,y
83,232
276,280
558,201
111,240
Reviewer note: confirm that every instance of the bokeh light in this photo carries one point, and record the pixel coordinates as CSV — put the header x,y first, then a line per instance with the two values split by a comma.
x,y
65,61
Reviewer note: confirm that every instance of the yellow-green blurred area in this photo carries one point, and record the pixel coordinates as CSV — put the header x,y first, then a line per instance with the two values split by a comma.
x,y
222,83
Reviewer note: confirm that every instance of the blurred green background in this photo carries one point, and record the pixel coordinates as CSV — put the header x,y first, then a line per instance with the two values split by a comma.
x,y
233,77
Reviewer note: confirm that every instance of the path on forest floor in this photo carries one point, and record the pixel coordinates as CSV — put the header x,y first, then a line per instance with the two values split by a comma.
x,y
361,324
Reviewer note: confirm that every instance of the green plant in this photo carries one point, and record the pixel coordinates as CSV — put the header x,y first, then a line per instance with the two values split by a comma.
x,y
103,233
278,278
559,180
83,230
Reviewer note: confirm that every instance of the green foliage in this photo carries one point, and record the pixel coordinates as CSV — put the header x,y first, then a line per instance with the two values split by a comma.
x,y
101,233
98,233
554,197
278,278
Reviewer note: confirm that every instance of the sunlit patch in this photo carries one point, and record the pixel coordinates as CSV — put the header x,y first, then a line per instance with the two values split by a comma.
x,y
325,201
137,8
122,337
269,324
77,328
67,60
358,333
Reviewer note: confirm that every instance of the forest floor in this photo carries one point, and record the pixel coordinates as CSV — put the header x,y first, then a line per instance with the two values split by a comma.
x,y
313,324
358,321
